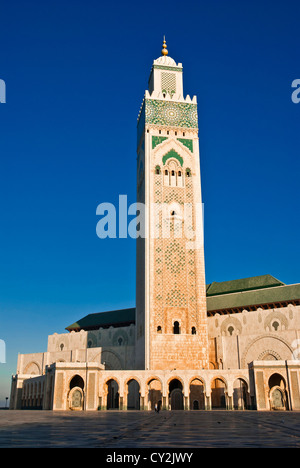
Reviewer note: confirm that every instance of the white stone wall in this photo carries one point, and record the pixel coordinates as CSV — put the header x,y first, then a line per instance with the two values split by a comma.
x,y
112,347
237,339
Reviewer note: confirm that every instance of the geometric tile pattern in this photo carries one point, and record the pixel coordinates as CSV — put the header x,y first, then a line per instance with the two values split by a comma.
x,y
179,114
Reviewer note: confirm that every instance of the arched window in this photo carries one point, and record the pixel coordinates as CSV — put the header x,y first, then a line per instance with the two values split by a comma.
x,y
193,330
188,172
77,381
176,328
159,330
157,170
166,172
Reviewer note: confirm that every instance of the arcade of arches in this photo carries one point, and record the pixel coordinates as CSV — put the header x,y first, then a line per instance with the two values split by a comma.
x,y
175,398
182,391
262,387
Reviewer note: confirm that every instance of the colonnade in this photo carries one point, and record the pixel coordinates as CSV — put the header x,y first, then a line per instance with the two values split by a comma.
x,y
173,392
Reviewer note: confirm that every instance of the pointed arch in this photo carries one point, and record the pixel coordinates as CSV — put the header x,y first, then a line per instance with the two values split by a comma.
x,y
174,155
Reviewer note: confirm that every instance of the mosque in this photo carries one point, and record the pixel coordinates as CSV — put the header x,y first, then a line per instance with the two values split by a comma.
x,y
187,345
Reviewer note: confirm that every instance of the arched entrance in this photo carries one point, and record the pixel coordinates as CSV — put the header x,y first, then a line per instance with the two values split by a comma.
x,y
218,394
76,395
133,395
176,395
277,392
112,394
197,396
240,395
154,394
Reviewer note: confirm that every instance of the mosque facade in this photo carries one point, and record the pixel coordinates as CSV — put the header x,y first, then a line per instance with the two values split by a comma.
x,y
187,345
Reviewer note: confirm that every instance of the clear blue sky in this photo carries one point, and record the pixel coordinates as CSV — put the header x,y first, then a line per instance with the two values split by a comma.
x,y
75,73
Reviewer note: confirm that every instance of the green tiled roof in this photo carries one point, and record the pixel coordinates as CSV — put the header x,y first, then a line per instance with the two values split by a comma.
x,y
115,318
236,294
244,284
271,295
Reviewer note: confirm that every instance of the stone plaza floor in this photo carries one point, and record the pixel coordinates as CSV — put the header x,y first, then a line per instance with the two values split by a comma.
x,y
141,429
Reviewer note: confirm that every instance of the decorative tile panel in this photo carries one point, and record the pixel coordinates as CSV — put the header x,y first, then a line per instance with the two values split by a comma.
x,y
168,83
176,114
172,154
157,140
187,142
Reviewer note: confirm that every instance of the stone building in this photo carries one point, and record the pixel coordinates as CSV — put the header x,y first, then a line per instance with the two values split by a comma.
x,y
186,345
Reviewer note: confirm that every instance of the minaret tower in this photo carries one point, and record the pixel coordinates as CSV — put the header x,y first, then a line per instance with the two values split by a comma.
x,y
171,319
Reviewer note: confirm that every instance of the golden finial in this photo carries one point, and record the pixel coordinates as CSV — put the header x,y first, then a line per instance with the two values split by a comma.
x,y
164,49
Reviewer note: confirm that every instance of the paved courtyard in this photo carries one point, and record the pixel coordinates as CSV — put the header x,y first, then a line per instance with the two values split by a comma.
x,y
139,429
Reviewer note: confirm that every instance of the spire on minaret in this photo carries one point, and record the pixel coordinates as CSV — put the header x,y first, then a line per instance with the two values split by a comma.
x,y
164,49
166,76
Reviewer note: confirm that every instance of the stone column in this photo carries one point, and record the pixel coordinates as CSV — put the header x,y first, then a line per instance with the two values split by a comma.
x,y
104,400
229,400
165,402
125,395
147,405
208,402
121,402
142,403
186,403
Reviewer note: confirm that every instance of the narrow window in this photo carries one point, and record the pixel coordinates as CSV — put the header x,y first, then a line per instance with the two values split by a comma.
x,y
176,329
179,173
159,329
166,172
193,331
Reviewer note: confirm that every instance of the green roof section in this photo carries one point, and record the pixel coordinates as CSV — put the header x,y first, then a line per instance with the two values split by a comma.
x,y
244,284
113,318
271,295
237,294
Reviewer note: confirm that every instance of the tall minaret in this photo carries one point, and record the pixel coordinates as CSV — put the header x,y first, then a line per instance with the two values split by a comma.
x,y
171,320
